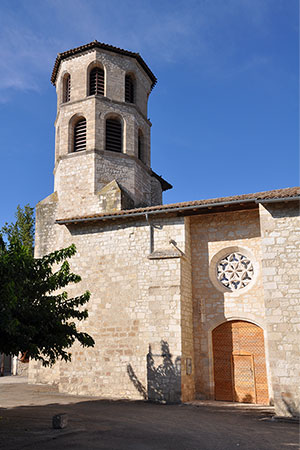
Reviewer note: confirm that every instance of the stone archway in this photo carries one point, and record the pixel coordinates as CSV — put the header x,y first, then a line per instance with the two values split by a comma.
x,y
239,363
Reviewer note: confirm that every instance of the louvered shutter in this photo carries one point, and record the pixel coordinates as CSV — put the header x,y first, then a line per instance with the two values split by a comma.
x,y
80,136
113,135
129,89
67,88
97,81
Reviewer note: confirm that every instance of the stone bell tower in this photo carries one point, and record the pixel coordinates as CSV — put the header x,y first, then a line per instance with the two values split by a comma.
x,y
102,143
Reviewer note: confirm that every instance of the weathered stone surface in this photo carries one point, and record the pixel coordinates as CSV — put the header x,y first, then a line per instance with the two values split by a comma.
x,y
280,230
113,198
213,235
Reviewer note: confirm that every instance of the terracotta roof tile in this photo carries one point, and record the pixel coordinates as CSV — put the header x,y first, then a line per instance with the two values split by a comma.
x,y
288,193
101,45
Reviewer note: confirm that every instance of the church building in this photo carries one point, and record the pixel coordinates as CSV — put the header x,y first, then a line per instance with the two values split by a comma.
x,y
192,300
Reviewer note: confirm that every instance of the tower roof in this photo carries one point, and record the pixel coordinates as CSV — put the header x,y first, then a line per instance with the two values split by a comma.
x,y
107,47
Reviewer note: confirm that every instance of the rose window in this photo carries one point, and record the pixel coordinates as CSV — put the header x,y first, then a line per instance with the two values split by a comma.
x,y
235,271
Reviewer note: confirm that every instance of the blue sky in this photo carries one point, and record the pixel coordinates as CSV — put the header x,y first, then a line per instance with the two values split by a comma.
x,y
224,111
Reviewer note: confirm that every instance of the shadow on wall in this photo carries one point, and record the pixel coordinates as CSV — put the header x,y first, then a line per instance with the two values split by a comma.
x,y
290,404
163,377
282,209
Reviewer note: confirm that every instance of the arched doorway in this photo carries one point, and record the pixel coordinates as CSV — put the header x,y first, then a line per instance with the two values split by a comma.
x,y
239,363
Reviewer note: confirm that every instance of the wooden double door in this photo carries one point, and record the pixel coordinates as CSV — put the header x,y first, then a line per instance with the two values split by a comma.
x,y
239,363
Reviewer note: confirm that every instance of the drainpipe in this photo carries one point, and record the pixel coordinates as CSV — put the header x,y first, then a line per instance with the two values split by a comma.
x,y
151,234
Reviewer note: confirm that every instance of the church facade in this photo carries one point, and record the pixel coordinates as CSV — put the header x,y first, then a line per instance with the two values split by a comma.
x,y
188,300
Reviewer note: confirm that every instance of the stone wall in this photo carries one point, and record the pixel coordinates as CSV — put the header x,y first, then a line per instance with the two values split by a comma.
x,y
280,230
45,228
132,176
79,178
132,122
75,185
212,236
155,301
187,332
134,275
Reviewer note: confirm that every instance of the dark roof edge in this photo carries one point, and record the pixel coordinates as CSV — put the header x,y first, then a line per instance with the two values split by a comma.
x,y
103,46
255,199
154,212
279,199
164,184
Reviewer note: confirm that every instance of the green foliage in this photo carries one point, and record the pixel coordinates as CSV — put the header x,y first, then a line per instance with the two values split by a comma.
x,y
22,230
36,315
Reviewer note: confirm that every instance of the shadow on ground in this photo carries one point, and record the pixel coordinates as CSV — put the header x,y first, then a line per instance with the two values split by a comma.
x,y
100,424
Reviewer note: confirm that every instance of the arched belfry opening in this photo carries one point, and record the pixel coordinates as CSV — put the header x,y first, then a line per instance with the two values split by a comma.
x,y
79,139
113,135
239,363
96,81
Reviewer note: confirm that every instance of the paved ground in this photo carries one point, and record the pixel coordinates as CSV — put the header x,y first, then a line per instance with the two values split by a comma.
x,y
26,418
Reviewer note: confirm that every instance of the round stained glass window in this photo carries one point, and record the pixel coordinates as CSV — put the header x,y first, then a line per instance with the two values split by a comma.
x,y
235,271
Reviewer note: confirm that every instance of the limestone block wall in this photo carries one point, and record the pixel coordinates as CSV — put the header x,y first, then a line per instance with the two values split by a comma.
x,y
187,331
113,198
134,311
114,166
280,230
96,110
45,375
45,229
213,235
65,121
79,177
132,122
129,173
75,185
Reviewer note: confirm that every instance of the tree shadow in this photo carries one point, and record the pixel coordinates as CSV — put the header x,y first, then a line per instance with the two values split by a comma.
x,y
163,379
137,384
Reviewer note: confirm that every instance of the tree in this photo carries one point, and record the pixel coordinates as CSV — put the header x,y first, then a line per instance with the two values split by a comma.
x,y
36,315
23,228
